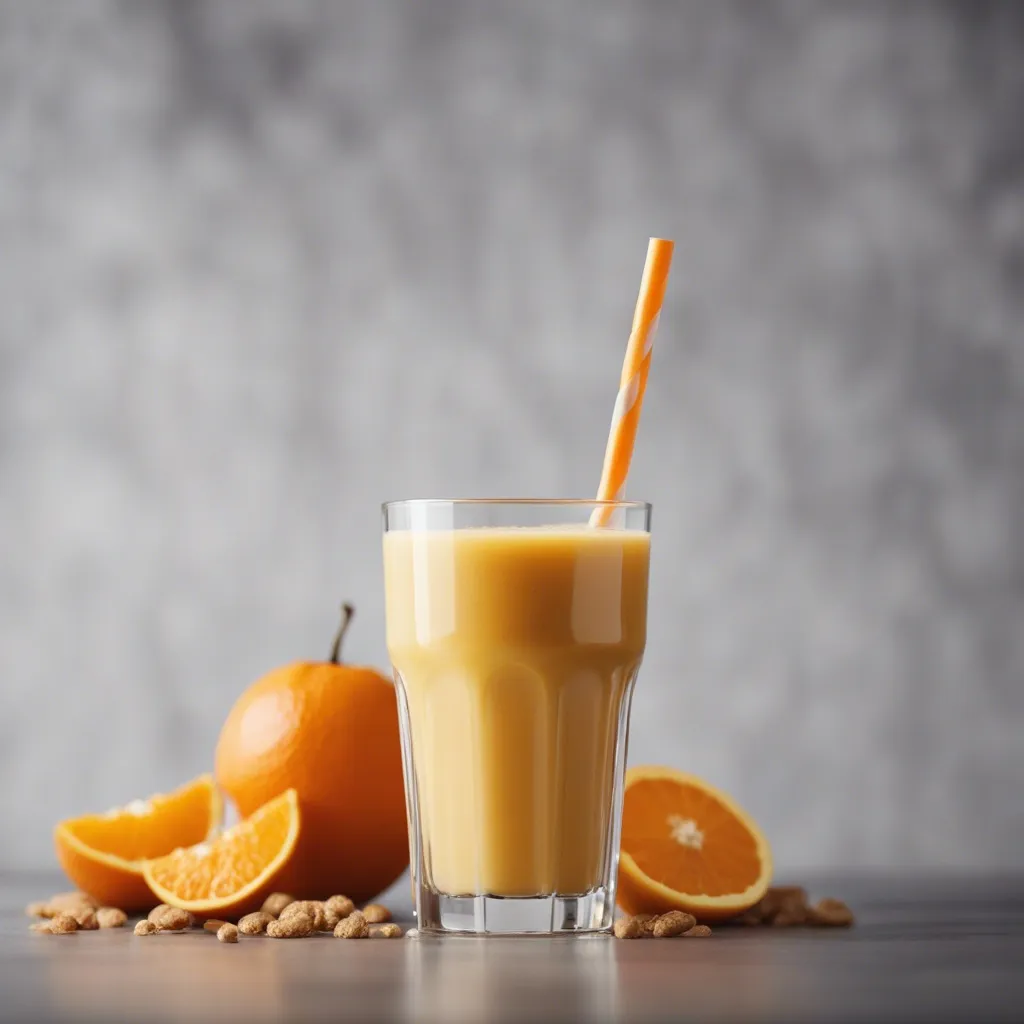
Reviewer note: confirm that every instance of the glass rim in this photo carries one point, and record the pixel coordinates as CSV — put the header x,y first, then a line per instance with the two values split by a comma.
x,y
564,502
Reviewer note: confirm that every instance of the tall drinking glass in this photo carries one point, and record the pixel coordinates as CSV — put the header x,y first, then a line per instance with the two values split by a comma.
x,y
516,629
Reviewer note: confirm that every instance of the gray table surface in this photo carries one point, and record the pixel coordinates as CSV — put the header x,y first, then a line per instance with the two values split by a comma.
x,y
938,949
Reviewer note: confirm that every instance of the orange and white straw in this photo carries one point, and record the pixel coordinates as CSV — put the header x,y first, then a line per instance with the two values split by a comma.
x,y
628,402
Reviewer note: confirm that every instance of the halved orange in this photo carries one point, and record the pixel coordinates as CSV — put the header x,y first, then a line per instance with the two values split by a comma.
x,y
103,854
233,873
688,846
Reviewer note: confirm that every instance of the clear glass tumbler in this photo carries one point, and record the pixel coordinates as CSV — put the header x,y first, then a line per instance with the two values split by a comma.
x,y
516,629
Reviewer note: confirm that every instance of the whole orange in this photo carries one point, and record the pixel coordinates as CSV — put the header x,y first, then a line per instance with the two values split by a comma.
x,y
330,731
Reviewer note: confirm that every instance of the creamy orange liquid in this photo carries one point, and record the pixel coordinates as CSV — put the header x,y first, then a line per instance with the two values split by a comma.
x,y
516,649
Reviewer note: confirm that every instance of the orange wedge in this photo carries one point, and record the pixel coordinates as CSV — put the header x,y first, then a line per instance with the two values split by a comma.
x,y
688,846
232,874
103,854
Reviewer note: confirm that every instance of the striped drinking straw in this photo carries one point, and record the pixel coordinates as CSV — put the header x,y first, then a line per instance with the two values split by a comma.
x,y
626,415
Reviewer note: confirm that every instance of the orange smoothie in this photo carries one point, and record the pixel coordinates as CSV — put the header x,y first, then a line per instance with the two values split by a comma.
x,y
516,650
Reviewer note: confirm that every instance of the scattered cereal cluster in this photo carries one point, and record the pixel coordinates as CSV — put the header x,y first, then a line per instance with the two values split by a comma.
x,y
313,909
170,919
67,912
781,907
352,927
787,907
296,925
63,924
341,906
660,926
276,902
111,917
255,924
285,918
281,917
376,914
62,903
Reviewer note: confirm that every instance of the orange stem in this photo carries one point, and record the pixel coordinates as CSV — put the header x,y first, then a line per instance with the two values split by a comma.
x,y
347,612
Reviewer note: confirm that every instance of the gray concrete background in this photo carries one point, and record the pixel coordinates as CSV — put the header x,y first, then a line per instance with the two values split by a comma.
x,y
266,264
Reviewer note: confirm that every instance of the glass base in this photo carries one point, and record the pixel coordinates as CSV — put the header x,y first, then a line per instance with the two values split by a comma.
x,y
515,915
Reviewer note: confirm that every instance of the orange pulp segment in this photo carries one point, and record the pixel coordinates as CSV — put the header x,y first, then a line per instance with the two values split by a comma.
x,y
688,846
232,873
103,854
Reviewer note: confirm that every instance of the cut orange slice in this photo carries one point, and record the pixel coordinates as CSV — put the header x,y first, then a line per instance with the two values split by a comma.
x,y
103,854
688,846
232,874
